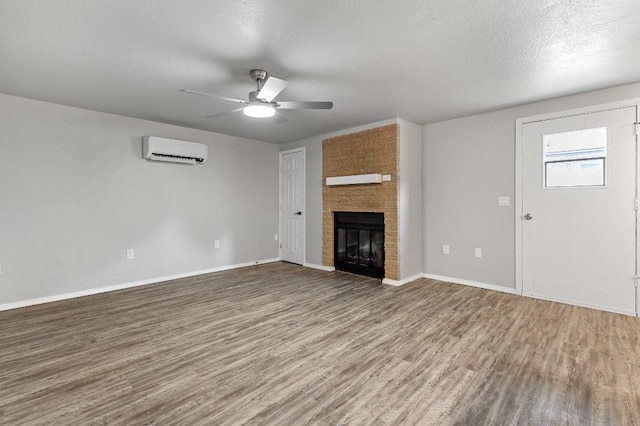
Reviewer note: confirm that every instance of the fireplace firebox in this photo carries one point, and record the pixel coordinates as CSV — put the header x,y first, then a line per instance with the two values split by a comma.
x,y
359,243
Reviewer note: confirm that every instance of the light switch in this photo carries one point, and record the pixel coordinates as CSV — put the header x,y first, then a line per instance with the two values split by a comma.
x,y
503,201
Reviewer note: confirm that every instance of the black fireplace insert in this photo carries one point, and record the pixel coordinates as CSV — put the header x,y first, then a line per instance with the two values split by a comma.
x,y
359,243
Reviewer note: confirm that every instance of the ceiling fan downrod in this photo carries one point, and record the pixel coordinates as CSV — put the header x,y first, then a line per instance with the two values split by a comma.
x,y
259,76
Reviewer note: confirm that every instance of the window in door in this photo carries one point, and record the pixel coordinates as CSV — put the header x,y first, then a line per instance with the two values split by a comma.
x,y
575,158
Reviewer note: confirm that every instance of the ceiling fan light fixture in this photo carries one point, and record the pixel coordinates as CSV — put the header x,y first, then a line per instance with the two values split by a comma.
x,y
260,110
261,103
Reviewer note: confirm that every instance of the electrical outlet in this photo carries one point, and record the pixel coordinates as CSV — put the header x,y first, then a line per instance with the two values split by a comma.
x,y
216,243
131,254
275,237
445,249
478,253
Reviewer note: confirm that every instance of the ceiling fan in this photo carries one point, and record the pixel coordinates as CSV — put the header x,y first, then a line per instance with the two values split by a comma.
x,y
261,102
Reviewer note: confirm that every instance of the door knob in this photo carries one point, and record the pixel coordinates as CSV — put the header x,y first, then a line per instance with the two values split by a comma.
x,y
298,213
527,216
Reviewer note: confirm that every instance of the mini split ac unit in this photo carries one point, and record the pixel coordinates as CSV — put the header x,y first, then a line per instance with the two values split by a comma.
x,y
161,149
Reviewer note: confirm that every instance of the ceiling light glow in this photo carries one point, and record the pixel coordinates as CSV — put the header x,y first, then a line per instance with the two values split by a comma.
x,y
259,110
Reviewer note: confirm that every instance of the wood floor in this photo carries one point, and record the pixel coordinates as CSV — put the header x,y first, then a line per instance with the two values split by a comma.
x,y
284,345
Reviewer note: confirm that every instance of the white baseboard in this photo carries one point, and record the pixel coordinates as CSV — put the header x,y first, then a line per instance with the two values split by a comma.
x,y
91,291
320,267
398,283
582,304
471,283
387,281
508,290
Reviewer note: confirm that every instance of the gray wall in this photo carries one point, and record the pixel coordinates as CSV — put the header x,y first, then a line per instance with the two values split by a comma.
x,y
410,194
75,194
313,187
467,163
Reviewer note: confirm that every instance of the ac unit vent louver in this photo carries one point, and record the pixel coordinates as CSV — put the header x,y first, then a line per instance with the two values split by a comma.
x,y
175,151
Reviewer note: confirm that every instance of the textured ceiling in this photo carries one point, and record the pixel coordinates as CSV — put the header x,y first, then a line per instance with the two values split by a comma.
x,y
423,61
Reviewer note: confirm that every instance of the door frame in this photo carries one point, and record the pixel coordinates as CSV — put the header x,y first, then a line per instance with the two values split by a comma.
x,y
520,122
304,200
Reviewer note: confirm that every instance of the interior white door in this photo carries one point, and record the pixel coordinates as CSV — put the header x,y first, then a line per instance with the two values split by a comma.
x,y
579,209
292,206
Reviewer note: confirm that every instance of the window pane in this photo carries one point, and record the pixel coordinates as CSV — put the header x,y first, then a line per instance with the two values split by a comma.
x,y
365,247
576,158
352,246
377,247
575,173
342,245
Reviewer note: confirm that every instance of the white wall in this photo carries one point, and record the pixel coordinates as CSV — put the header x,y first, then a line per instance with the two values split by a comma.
x,y
467,163
75,194
313,186
410,201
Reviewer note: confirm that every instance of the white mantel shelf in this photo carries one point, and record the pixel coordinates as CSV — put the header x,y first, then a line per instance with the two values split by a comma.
x,y
357,179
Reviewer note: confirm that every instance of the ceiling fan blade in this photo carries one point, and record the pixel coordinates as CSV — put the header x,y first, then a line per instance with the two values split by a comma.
x,y
224,98
220,114
279,119
305,105
272,88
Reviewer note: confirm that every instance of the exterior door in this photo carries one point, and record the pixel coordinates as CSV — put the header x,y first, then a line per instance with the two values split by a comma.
x,y
579,209
292,206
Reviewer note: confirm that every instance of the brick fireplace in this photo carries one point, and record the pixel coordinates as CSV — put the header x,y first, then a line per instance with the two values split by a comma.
x,y
365,152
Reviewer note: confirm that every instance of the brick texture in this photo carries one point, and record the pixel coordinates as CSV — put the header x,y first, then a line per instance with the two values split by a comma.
x,y
369,151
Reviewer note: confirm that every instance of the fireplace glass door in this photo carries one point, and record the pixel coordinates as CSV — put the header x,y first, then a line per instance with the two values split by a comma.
x,y
359,243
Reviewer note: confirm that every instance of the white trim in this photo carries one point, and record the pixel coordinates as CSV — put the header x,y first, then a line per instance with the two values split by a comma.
x,y
531,295
320,267
106,289
518,207
477,284
354,179
581,304
304,199
398,283
518,199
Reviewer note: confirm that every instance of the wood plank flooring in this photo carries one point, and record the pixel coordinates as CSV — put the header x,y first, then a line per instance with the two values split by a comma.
x,y
285,345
